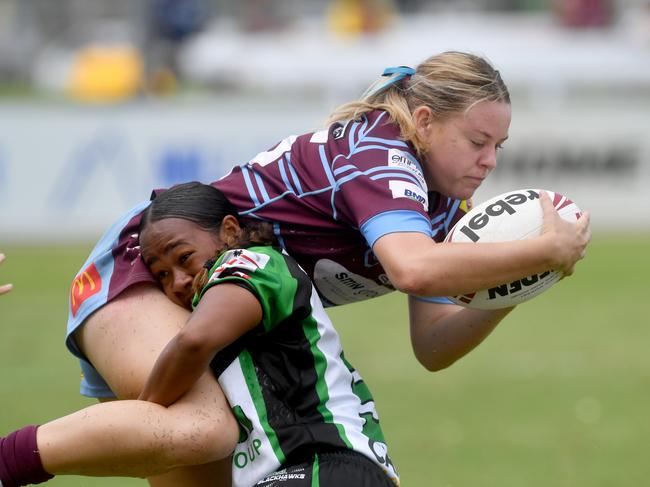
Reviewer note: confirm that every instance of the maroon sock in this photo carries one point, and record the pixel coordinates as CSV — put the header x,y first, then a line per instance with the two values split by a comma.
x,y
20,461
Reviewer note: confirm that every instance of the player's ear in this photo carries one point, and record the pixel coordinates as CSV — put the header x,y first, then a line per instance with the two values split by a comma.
x,y
229,231
423,119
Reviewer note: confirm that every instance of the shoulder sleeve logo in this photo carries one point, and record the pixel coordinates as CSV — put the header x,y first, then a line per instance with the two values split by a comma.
x,y
86,284
241,263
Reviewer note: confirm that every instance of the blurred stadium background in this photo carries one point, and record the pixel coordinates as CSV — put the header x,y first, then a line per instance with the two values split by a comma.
x,y
102,101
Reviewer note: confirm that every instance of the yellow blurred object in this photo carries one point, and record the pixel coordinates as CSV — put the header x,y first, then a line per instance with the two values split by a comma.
x,y
355,17
106,73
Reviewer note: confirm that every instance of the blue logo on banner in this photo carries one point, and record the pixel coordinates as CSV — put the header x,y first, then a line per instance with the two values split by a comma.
x,y
108,150
188,162
178,166
107,158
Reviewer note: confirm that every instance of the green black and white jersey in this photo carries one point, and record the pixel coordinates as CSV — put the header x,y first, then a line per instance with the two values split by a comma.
x,y
287,380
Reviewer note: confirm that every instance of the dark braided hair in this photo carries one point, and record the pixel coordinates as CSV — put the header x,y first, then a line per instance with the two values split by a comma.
x,y
205,206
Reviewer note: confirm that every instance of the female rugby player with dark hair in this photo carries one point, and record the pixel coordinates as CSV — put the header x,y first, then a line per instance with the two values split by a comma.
x,y
259,326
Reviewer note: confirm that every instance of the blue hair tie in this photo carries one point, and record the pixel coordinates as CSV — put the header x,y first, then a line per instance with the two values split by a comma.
x,y
395,75
402,70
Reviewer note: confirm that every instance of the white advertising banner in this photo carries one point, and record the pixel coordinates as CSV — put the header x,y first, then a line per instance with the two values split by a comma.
x,y
67,172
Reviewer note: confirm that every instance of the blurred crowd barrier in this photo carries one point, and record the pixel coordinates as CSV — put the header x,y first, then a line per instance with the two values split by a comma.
x,y
102,101
98,51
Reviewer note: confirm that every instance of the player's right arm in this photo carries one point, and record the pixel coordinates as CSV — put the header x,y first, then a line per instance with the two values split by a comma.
x,y
189,353
443,333
4,288
417,266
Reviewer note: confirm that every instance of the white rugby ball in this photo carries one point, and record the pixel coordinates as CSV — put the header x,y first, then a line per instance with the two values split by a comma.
x,y
515,215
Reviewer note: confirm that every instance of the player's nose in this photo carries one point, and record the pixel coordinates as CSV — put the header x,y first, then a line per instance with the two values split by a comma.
x,y
489,159
182,294
182,282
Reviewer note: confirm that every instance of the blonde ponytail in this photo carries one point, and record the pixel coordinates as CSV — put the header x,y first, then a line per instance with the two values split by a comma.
x,y
448,83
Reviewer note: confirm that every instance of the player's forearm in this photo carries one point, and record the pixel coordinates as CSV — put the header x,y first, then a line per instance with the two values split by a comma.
x,y
421,268
463,268
179,366
439,341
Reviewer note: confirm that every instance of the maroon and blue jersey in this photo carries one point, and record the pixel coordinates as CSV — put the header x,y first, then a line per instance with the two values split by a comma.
x,y
332,194
329,196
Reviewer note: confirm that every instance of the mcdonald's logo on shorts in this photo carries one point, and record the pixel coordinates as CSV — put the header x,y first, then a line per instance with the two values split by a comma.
x,y
85,285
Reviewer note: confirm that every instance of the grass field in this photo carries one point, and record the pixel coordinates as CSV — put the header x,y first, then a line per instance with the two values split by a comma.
x,y
558,396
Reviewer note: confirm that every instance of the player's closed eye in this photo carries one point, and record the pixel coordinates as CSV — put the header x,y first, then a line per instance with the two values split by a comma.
x,y
184,257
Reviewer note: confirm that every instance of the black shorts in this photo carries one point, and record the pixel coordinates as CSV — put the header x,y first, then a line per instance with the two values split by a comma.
x,y
332,469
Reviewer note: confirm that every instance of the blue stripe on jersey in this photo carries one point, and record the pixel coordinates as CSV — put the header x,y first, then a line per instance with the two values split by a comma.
x,y
452,212
435,230
395,175
342,169
389,142
330,176
252,211
432,299
351,140
294,174
326,165
278,235
283,174
260,185
394,221
356,150
364,132
438,218
249,185
361,133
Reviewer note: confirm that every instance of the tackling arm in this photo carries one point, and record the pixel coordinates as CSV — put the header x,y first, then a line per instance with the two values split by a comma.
x,y
443,333
225,313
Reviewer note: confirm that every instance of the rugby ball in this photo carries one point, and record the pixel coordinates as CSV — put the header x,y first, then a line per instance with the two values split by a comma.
x,y
515,215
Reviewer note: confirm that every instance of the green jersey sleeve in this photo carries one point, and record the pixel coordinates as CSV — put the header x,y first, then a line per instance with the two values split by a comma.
x,y
265,272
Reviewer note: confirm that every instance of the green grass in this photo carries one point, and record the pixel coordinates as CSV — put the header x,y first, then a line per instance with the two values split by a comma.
x,y
558,395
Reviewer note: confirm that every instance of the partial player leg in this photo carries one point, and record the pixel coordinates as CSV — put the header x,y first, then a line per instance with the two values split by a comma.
x,y
122,340
129,438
